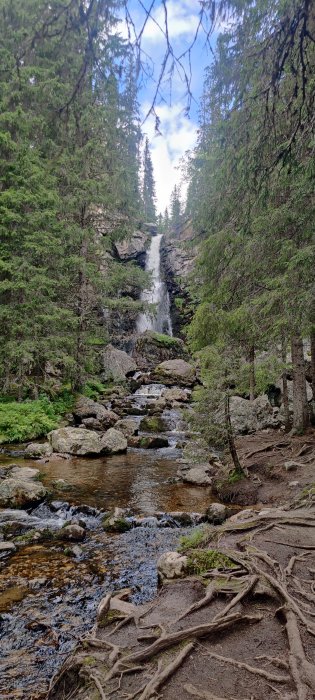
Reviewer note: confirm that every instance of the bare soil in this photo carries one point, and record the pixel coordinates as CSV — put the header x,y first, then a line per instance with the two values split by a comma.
x,y
246,631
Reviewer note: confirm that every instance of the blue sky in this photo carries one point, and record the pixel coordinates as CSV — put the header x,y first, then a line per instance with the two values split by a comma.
x,y
178,130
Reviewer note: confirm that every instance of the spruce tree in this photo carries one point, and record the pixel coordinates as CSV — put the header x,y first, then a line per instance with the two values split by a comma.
x,y
148,188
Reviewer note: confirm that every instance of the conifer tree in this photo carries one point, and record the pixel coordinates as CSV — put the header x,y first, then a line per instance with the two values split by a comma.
x,y
148,188
175,207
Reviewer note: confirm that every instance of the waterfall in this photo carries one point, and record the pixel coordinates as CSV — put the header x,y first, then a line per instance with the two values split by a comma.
x,y
159,319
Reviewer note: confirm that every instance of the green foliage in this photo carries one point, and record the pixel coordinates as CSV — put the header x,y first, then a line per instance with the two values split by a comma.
x,y
21,422
196,537
202,560
93,389
164,340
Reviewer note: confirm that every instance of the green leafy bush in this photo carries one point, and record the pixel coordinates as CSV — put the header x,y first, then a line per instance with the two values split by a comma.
x,y
27,420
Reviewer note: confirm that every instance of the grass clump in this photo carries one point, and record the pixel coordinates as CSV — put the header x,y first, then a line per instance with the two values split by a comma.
x,y
196,538
202,560
165,340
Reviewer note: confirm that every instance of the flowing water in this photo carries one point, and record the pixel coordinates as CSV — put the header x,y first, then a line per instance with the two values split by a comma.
x,y
49,589
158,319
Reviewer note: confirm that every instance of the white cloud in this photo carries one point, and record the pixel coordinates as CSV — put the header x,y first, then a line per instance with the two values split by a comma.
x,y
182,20
178,135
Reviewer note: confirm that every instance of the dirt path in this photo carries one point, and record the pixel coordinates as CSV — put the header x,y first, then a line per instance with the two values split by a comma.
x,y
246,631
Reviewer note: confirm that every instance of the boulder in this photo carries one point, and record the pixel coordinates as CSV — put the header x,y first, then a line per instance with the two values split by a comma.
x,y
75,441
176,395
86,409
152,348
198,476
249,416
127,427
113,442
134,248
216,513
172,565
7,547
153,424
176,372
73,533
117,365
116,523
19,493
37,450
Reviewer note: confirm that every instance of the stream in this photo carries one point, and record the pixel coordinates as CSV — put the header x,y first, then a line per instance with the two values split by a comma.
x,y
49,590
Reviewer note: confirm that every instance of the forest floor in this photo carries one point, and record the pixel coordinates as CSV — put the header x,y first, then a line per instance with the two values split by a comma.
x,y
245,629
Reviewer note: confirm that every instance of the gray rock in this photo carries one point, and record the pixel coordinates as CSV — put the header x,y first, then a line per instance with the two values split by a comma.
x,y
153,348
249,416
198,476
133,247
216,513
73,533
19,493
176,372
117,364
291,465
37,450
172,565
93,415
7,547
113,442
75,441
127,427
176,395
24,473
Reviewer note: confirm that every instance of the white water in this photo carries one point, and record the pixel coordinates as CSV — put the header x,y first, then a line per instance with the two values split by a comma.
x,y
158,319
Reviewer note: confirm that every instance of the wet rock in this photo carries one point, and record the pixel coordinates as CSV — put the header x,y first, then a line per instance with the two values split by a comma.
x,y
76,441
73,533
153,348
249,416
157,407
176,372
153,442
58,505
113,442
198,476
127,427
133,248
76,551
37,450
176,395
92,424
216,513
116,522
153,424
21,489
117,364
134,441
172,565
7,547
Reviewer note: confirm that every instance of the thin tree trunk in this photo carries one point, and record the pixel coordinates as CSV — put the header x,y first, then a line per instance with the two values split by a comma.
x,y
252,377
230,437
300,407
285,395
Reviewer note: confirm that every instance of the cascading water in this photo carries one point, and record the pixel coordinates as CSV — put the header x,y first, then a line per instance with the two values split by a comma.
x,y
159,319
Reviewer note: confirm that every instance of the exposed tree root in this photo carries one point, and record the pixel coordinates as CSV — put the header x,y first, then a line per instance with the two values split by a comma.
x,y
251,669
205,694
211,592
303,672
163,675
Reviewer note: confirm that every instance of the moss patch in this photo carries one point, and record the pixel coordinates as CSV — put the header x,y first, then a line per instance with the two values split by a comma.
x,y
202,560
196,538
112,524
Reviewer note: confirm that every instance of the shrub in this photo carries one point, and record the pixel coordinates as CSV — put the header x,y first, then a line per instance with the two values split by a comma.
x,y
21,422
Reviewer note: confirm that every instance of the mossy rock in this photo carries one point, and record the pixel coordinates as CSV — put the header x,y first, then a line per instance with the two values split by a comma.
x,y
202,560
113,524
153,424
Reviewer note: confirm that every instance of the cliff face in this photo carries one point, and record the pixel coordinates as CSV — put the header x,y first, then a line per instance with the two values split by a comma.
x,y
178,254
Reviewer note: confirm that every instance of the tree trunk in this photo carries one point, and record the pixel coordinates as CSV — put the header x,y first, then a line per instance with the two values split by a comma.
x,y
230,437
300,407
285,395
252,378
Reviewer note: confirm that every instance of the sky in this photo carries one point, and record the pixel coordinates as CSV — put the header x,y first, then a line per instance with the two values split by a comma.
x,y
178,130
